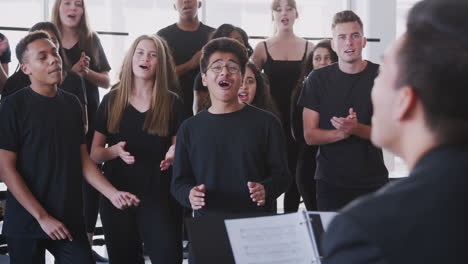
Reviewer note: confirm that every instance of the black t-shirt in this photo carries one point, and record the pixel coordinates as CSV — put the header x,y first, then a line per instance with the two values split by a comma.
x,y
144,177
92,92
353,162
184,44
73,83
224,152
6,56
46,135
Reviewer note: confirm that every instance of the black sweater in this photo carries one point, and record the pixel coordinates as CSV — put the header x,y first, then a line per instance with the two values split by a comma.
x,y
224,152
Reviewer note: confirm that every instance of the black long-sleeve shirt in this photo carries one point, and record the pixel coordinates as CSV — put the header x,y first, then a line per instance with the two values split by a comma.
x,y
224,152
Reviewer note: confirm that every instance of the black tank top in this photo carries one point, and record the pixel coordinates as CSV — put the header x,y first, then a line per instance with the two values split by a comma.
x,y
283,76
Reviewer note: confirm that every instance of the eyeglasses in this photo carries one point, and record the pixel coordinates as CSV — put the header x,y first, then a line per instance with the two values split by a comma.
x,y
218,68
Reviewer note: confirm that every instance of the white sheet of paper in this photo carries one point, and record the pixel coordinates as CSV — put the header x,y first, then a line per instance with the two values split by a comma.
x,y
281,239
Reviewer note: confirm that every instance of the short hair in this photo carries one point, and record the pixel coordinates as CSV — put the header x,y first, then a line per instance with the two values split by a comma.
x,y
22,46
345,17
223,45
49,26
440,82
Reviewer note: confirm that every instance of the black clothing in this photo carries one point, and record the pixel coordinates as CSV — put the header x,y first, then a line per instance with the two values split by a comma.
x,y
153,220
149,223
72,83
333,198
306,163
6,56
184,44
305,171
27,250
419,219
224,152
353,162
91,197
283,77
92,92
46,134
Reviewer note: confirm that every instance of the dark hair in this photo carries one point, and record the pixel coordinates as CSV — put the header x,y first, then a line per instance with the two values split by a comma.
x,y
49,26
226,29
223,45
262,97
22,46
440,82
345,17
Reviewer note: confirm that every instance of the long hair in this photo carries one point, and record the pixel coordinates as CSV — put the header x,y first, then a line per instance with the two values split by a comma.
x,y
165,79
86,37
49,26
262,97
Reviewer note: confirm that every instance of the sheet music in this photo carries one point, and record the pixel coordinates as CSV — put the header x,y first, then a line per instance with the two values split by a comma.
x,y
277,239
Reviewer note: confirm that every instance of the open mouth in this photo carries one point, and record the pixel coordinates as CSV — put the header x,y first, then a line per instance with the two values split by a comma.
x,y
244,97
144,67
187,8
224,84
285,21
71,16
349,51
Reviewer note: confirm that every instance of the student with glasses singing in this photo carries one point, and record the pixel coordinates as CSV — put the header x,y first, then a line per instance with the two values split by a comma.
x,y
230,158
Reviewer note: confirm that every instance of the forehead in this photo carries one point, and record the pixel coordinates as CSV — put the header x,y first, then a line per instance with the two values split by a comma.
x,y
146,44
223,56
40,45
280,3
321,51
347,28
249,73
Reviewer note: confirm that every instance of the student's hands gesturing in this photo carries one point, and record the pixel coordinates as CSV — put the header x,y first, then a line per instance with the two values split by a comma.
x,y
123,200
169,159
55,229
82,65
257,193
119,150
197,197
348,124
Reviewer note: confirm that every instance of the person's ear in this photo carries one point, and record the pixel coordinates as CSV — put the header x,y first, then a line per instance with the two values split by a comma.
x,y
405,103
364,42
199,5
25,69
205,83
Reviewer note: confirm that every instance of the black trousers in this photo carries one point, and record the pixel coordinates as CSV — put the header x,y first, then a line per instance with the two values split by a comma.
x,y
32,251
305,173
333,198
292,197
152,223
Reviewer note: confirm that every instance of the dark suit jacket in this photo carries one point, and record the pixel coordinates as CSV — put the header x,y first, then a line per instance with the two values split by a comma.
x,y
419,219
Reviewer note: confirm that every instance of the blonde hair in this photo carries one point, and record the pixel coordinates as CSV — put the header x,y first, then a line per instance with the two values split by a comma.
x,y
162,98
86,37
